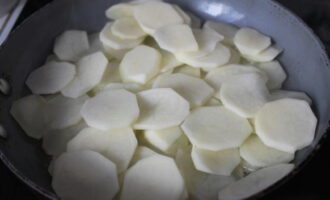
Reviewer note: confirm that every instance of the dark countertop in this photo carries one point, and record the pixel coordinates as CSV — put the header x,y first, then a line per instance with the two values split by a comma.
x,y
309,184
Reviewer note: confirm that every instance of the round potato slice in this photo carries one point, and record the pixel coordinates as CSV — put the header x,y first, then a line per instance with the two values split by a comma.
x,y
85,175
225,29
281,94
250,41
216,162
176,38
127,28
215,128
161,108
287,124
275,73
191,71
153,15
257,154
169,61
140,64
255,182
266,55
51,78
157,172
111,109
121,10
194,90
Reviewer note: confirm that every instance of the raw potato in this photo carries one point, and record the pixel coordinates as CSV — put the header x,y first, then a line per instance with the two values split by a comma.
x,y
275,73
55,141
169,62
194,90
111,109
120,10
176,38
157,172
287,124
186,18
216,162
115,53
225,29
114,42
142,152
244,94
51,78
266,55
140,64
255,182
251,42
153,15
161,108
132,87
257,154
84,175
281,94
29,112
163,139
215,128
63,112
127,28
191,71
71,45
90,70
111,74
235,56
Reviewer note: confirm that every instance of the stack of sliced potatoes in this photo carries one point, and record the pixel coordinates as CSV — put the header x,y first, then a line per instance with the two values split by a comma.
x,y
156,106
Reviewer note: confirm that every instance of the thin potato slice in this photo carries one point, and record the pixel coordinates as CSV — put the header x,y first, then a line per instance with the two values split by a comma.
x,y
281,94
186,18
121,10
169,61
266,55
275,73
142,152
132,87
191,71
127,28
225,29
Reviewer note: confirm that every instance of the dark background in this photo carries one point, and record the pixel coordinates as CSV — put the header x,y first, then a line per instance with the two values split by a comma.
x,y
309,184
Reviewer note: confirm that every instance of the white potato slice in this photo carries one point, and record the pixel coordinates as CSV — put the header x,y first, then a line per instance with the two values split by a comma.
x,y
153,15
245,94
255,182
29,112
218,57
257,154
127,28
215,162
90,70
266,55
51,78
191,71
63,112
114,53
250,41
176,38
115,42
169,61
214,102
181,143
112,73
55,141
194,90
217,77
71,45
142,152
275,73
235,56
140,64
225,29
161,108
132,87
157,172
111,109
120,10
186,18
281,94
163,139
85,175
287,124
215,128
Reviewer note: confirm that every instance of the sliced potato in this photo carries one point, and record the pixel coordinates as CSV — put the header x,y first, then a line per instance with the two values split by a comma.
x,y
275,73
132,87
250,41
111,109
160,108
158,172
121,10
266,55
176,38
225,29
245,94
281,94
235,56
215,162
194,90
214,102
255,182
85,175
71,45
191,71
287,124
169,61
153,15
114,53
51,78
215,128
140,64
90,70
186,18
127,28
29,112
142,152
63,112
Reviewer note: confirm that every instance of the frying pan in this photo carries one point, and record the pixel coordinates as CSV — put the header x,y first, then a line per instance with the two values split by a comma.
x,y
304,60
